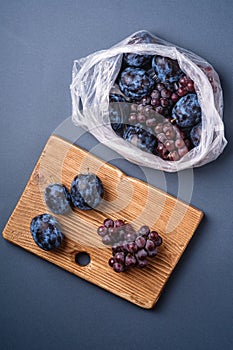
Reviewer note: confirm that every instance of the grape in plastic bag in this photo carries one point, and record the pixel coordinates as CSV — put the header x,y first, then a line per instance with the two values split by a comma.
x,y
96,78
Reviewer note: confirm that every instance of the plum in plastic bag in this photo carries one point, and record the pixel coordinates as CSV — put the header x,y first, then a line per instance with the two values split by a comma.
x,y
164,90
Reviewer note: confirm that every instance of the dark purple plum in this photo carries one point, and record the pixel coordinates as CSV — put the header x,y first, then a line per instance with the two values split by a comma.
x,y
195,134
57,198
142,37
118,112
130,260
135,83
46,232
86,191
141,138
187,111
166,69
136,60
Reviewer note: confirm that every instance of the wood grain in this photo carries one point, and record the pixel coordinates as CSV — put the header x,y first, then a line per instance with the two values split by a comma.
x,y
125,197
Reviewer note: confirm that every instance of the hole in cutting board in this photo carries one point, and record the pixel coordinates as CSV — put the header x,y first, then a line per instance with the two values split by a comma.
x,y
82,258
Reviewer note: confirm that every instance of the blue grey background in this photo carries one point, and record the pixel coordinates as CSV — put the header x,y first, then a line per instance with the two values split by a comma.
x,y
44,307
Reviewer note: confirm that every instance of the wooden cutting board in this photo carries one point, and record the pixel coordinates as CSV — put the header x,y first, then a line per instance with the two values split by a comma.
x,y
126,198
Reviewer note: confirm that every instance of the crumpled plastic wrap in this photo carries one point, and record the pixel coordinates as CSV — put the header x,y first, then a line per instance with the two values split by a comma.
x,y
93,78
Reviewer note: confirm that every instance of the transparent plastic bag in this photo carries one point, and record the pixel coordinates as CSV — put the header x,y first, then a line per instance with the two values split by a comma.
x,y
93,78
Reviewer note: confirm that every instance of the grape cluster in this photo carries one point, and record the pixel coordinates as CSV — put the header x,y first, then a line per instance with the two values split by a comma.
x,y
185,86
129,248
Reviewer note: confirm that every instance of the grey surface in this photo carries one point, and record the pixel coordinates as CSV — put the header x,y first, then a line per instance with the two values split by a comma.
x,y
44,307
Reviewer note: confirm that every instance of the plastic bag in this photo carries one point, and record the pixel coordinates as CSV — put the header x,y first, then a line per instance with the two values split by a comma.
x,y
93,78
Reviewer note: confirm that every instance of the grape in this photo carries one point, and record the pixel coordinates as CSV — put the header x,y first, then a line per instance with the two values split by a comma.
x,y
170,134
121,233
158,241
156,93
164,102
190,86
116,248
113,233
107,240
111,262
153,235
133,118
130,260
142,263
170,145
149,245
118,223
151,122
141,254
182,151
159,128
117,267
182,91
160,86
152,253
144,230
130,236
120,257
132,247
174,155
179,143
108,223
140,241
102,231
163,152
183,80
174,97
124,247
165,93
171,139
